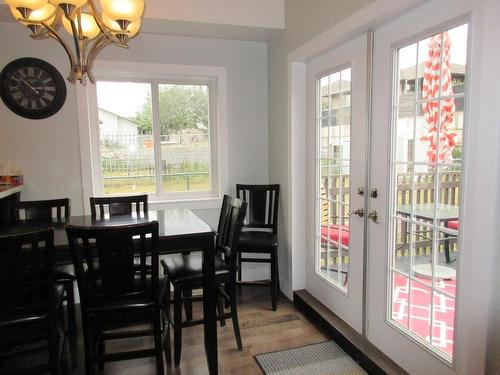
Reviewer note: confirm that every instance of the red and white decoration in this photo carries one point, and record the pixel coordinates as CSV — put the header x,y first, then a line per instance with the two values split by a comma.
x,y
431,90
411,307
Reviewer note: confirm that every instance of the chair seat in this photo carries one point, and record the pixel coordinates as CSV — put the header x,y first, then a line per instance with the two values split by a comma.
x,y
13,318
63,275
257,241
453,224
187,268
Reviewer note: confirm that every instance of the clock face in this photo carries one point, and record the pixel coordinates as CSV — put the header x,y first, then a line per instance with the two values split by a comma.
x,y
32,88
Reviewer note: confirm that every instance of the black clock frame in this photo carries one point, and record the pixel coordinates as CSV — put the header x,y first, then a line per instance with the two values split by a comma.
x,y
36,114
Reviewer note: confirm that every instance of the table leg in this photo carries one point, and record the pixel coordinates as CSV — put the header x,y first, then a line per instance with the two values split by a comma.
x,y
209,306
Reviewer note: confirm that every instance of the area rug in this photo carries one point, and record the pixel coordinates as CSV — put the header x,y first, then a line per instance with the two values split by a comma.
x,y
411,309
325,358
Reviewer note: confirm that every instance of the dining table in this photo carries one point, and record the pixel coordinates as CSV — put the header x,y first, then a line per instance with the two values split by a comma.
x,y
180,230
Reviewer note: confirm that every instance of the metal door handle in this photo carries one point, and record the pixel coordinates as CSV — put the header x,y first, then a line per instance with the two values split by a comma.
x,y
374,216
360,212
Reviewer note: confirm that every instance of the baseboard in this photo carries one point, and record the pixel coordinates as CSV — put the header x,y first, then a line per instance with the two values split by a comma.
x,y
371,359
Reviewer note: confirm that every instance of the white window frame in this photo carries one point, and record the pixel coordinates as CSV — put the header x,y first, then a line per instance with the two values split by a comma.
x,y
214,77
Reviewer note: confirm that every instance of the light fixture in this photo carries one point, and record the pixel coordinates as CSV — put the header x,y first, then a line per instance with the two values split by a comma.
x,y
115,22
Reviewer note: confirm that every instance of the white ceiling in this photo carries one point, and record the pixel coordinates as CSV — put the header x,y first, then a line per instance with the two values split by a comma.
x,y
254,20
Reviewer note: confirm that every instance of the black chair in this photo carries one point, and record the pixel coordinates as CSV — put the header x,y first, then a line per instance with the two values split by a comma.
x,y
185,272
124,205
115,293
260,233
53,212
30,303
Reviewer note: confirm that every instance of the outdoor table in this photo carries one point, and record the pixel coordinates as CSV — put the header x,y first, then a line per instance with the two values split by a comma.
x,y
425,212
179,230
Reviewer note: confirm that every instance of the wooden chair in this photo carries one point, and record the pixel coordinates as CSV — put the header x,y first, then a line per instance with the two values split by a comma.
x,y
124,205
53,212
260,233
30,302
115,293
185,272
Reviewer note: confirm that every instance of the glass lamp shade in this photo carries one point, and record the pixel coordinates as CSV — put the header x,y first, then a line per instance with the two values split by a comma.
x,y
123,10
132,28
75,3
90,29
28,4
44,14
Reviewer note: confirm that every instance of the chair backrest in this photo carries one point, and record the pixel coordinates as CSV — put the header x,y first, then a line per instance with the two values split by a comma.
x,y
119,205
228,232
26,272
45,210
262,202
103,258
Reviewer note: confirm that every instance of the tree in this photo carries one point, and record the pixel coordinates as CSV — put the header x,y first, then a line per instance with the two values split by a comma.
x,y
181,107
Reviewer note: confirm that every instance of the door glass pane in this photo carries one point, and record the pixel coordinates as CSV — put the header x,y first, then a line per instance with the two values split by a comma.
x,y
333,166
126,137
185,142
426,164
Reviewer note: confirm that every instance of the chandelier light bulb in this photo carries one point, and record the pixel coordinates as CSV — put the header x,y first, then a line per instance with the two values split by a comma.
x,y
123,10
25,7
72,3
44,14
132,27
90,29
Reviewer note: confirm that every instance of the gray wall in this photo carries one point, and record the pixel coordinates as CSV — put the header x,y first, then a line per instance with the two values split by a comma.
x,y
47,150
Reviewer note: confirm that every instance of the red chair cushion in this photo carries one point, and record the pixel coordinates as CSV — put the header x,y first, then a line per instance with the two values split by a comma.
x,y
453,224
332,231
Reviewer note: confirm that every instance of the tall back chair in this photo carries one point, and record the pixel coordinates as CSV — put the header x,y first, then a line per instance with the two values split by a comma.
x,y
53,211
42,210
115,291
185,272
29,300
260,233
124,205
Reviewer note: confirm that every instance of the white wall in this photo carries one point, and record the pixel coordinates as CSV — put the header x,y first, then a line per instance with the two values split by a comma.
x,y
47,150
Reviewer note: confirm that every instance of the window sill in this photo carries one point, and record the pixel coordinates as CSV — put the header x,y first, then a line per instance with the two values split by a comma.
x,y
192,203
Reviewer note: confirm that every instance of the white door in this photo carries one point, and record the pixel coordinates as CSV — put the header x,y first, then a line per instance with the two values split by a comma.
x,y
336,113
415,256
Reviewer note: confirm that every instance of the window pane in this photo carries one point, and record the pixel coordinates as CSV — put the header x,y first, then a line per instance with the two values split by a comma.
x,y
126,137
185,137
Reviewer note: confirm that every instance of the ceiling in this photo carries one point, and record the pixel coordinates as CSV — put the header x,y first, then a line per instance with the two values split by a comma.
x,y
252,20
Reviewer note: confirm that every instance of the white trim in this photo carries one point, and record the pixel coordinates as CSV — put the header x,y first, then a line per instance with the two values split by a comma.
x,y
89,137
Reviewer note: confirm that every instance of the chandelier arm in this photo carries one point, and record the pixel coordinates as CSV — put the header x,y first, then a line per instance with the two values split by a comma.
x,y
53,33
99,44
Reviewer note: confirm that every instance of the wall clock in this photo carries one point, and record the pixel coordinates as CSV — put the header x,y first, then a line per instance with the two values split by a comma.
x,y
32,88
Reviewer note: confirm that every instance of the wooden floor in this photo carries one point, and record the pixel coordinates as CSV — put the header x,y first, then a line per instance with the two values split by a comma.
x,y
262,330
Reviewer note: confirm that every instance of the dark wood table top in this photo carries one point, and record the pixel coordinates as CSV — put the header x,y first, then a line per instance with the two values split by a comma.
x,y
174,224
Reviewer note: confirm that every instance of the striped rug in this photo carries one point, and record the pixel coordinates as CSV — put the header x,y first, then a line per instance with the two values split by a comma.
x,y
325,358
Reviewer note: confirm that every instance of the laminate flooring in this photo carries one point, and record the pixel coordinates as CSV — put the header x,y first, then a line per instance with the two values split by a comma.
x,y
262,330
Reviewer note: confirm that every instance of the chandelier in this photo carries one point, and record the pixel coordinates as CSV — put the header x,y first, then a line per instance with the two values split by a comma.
x,y
90,28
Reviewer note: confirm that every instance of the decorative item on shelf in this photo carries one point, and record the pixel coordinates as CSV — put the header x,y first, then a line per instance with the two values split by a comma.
x,y
114,22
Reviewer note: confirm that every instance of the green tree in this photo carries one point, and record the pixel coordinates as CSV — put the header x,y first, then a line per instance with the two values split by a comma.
x,y
181,107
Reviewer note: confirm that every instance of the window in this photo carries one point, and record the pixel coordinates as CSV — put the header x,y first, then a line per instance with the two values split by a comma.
x,y
426,168
333,128
157,137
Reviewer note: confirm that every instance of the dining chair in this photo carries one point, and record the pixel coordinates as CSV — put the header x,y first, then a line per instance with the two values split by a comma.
x,y
117,295
123,205
30,303
53,212
260,233
185,272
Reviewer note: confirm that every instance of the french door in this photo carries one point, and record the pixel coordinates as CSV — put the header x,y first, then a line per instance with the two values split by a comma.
x,y
422,272
336,135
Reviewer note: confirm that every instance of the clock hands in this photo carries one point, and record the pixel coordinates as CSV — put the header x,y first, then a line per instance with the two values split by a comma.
x,y
31,87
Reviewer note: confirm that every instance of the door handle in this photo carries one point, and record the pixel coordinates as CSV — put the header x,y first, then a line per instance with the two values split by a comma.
x,y
360,212
374,216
